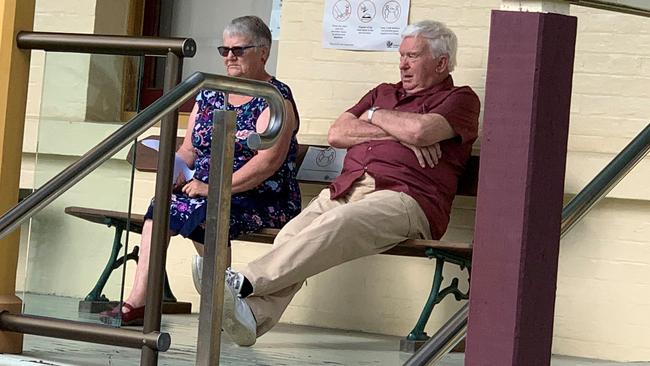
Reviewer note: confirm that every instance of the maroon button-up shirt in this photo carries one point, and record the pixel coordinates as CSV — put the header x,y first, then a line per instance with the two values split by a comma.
x,y
395,167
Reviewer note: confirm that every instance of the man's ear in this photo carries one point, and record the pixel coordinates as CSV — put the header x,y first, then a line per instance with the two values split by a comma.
x,y
443,62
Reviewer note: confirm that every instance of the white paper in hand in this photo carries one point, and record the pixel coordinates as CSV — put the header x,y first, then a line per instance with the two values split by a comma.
x,y
151,143
180,167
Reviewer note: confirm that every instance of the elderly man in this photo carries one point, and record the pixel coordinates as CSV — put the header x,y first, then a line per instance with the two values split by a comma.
x,y
407,145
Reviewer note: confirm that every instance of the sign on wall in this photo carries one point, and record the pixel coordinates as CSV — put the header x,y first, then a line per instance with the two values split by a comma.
x,y
369,25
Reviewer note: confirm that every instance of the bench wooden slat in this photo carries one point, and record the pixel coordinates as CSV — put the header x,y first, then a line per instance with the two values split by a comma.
x,y
412,248
146,159
107,217
468,181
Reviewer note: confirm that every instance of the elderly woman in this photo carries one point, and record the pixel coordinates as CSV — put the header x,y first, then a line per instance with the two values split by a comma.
x,y
264,189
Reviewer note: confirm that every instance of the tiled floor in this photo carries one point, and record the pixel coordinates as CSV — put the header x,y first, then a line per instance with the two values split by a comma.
x,y
286,345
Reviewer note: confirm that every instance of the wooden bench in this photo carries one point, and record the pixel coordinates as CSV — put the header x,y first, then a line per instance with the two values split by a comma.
x,y
443,251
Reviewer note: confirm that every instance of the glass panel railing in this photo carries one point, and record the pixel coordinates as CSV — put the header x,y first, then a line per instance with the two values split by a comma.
x,y
67,245
151,340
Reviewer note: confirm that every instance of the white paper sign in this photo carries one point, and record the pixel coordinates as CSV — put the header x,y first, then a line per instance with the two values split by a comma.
x,y
369,25
180,167
321,164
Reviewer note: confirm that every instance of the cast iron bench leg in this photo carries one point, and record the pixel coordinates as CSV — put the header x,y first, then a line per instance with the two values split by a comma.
x,y
95,296
414,340
96,293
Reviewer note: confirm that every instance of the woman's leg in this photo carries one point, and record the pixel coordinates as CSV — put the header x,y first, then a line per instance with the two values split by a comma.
x,y
138,292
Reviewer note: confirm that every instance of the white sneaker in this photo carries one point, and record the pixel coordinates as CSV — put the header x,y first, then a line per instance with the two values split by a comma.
x,y
238,319
197,271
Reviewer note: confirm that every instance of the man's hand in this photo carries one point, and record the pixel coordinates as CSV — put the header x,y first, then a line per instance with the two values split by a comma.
x,y
196,188
426,154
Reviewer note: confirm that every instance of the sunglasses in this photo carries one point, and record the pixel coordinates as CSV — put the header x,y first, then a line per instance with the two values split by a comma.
x,y
236,51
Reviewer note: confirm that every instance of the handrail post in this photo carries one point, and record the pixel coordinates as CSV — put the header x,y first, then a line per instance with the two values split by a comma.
x,y
14,68
160,231
216,239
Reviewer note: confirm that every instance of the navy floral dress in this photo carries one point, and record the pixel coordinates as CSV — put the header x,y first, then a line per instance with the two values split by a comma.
x,y
271,204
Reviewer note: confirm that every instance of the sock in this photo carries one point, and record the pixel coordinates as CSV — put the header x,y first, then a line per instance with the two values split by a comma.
x,y
246,288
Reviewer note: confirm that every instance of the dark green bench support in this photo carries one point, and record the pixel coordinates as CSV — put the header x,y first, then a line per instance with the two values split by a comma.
x,y
96,301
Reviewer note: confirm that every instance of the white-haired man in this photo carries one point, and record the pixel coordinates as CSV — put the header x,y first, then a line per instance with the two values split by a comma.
x,y
407,145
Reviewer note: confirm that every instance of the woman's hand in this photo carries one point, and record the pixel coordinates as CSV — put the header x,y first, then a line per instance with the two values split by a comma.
x,y
179,183
196,188
426,154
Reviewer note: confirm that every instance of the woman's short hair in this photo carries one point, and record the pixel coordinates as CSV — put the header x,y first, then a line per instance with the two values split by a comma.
x,y
250,26
442,40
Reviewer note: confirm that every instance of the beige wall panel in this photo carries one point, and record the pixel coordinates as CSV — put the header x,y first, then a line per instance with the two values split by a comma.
x,y
603,295
611,101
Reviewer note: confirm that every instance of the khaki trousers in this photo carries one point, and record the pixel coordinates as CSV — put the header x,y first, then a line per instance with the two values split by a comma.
x,y
325,234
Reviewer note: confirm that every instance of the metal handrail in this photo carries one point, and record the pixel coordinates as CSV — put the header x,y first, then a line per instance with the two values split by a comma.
x,y
140,123
79,331
456,328
105,44
618,7
606,180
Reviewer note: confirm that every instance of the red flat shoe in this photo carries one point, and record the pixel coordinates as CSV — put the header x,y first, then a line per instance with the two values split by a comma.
x,y
135,316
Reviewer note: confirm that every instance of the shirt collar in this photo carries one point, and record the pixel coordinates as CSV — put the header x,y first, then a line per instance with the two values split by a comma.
x,y
447,83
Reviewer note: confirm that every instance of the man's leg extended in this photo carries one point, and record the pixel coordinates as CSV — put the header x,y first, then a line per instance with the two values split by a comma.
x,y
371,225
238,319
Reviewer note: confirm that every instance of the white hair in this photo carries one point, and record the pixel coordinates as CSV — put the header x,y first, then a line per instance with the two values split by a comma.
x,y
250,26
442,40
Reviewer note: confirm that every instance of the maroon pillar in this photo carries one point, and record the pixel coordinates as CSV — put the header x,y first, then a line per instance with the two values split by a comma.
x,y
521,182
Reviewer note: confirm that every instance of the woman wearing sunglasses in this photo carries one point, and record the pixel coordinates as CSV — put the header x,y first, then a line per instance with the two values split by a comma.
x,y
264,188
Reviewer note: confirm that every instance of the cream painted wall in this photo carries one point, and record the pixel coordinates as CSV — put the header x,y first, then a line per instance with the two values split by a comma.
x,y
603,295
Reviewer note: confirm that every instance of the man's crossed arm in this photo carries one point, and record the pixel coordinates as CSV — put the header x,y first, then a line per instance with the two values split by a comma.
x,y
419,132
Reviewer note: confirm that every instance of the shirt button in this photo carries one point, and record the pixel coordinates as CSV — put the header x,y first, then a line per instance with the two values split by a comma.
x,y
369,147
365,167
